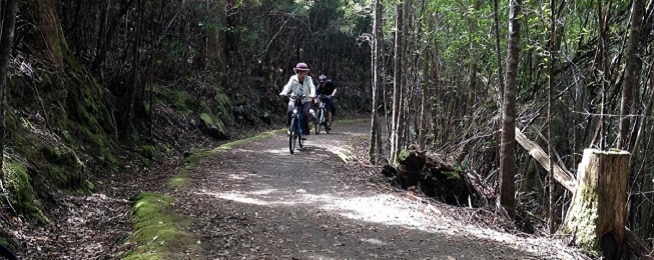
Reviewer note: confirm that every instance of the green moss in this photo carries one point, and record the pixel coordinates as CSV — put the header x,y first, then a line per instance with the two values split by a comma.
x,y
206,118
223,108
180,100
583,221
195,155
58,125
159,232
148,151
65,168
224,103
454,178
403,155
21,193
181,179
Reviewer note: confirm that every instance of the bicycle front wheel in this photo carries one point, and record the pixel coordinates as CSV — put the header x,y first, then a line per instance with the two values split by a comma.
x,y
292,135
323,121
317,121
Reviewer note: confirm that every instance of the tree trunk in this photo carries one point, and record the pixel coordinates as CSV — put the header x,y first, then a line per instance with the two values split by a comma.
x,y
632,69
422,129
377,37
398,60
507,146
500,74
105,37
550,84
6,41
602,70
597,213
52,40
216,41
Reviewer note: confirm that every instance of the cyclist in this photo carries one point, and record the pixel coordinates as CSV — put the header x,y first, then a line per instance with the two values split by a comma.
x,y
300,84
328,89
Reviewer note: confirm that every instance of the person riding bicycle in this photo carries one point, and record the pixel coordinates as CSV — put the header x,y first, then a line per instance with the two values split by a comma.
x,y
328,89
300,84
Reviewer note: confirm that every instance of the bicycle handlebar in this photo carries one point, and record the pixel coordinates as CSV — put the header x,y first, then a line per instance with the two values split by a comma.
x,y
321,96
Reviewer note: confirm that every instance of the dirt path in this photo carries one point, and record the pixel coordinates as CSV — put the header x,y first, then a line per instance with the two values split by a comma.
x,y
257,201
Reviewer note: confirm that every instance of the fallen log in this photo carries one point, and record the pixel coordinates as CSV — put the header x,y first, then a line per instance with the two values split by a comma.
x,y
560,175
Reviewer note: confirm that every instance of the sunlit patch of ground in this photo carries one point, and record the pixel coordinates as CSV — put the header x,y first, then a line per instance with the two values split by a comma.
x,y
318,196
385,209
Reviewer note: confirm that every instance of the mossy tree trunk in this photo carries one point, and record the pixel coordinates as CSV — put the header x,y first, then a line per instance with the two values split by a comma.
x,y
51,38
6,40
597,213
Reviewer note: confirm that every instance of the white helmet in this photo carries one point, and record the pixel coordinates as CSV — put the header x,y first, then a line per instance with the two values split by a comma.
x,y
322,78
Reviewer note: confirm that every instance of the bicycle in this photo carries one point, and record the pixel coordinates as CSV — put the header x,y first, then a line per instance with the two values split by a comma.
x,y
321,116
295,126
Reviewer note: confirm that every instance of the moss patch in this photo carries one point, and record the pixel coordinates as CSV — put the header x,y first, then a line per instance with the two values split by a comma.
x,y
181,179
584,227
195,155
65,168
21,193
180,100
160,233
240,142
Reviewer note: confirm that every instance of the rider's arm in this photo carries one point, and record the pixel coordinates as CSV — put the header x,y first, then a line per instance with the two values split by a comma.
x,y
287,87
334,92
312,87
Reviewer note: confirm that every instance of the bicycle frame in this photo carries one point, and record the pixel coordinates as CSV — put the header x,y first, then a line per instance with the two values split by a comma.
x,y
321,116
297,114
295,126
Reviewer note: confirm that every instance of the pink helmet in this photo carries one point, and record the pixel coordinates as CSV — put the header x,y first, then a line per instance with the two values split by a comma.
x,y
301,67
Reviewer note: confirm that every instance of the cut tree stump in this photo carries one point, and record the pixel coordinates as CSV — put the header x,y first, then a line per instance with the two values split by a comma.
x,y
598,211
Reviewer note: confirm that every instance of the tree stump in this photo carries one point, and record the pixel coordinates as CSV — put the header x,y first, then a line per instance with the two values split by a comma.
x,y
597,214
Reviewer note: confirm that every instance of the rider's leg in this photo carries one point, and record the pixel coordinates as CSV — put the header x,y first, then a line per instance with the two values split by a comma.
x,y
328,108
289,111
305,117
329,118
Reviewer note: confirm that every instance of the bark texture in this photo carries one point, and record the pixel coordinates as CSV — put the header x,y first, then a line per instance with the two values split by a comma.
x,y
597,213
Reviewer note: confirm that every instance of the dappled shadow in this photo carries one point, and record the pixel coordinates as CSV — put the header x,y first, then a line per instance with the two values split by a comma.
x,y
272,204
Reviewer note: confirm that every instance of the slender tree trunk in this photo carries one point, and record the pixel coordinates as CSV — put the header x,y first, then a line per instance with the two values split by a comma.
x,y
552,182
500,79
632,69
640,211
104,40
507,146
398,60
424,102
500,74
6,41
377,37
602,70
136,76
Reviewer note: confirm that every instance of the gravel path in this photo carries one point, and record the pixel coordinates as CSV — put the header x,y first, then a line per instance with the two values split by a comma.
x,y
257,201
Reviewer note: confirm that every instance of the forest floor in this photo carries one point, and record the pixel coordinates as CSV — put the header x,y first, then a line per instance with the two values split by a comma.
x,y
257,201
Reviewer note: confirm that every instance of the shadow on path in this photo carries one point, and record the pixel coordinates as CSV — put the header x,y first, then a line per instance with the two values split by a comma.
x,y
257,201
